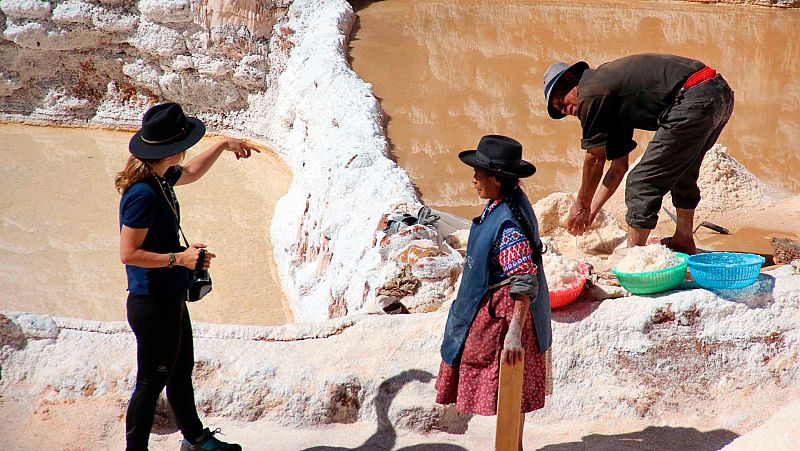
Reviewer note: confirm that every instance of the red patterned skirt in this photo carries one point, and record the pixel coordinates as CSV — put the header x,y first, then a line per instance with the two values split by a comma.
x,y
472,382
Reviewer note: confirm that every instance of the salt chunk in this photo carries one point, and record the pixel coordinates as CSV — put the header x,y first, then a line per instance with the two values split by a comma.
x,y
560,272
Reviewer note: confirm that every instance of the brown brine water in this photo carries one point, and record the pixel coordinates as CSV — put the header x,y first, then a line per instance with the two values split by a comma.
x,y
59,231
449,71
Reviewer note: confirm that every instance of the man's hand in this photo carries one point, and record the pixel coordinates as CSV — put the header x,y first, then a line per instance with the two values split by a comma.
x,y
580,215
592,216
579,219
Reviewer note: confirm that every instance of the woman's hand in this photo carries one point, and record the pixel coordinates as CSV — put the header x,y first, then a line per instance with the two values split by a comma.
x,y
240,148
512,348
188,258
579,218
199,165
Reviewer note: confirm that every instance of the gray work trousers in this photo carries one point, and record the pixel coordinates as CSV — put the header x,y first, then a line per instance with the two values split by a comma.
x,y
671,162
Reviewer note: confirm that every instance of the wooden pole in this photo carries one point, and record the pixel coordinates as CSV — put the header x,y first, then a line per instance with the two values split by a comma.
x,y
509,405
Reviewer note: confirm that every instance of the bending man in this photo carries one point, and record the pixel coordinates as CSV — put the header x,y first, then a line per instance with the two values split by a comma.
x,y
684,101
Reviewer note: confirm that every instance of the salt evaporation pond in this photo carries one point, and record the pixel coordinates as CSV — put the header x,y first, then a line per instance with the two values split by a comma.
x,y
59,231
450,71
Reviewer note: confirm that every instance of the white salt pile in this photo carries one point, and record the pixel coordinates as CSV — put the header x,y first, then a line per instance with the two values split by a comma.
x,y
647,258
604,235
725,184
561,272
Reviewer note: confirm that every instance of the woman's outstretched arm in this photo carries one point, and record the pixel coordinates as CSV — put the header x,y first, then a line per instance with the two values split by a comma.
x,y
199,165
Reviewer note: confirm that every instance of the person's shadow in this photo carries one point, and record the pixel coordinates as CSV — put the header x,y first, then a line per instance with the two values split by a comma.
x,y
757,295
653,438
385,436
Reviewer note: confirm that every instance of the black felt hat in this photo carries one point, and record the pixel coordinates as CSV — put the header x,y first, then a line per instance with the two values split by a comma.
x,y
165,131
498,155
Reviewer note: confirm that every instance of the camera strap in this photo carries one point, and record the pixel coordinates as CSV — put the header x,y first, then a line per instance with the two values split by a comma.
x,y
161,182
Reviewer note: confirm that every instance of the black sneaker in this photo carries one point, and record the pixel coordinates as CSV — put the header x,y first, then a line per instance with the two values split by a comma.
x,y
207,442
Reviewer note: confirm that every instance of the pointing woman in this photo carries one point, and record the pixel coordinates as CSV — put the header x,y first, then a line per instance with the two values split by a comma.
x,y
502,309
159,270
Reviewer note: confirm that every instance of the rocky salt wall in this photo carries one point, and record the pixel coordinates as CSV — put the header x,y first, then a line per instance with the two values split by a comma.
x,y
103,62
274,72
725,359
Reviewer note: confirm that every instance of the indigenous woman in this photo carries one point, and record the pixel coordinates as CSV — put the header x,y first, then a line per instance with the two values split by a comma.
x,y
159,270
502,309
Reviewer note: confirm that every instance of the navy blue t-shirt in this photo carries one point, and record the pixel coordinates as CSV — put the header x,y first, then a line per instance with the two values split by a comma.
x,y
143,206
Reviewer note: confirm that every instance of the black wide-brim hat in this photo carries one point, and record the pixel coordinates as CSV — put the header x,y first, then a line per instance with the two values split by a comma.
x,y
165,131
498,155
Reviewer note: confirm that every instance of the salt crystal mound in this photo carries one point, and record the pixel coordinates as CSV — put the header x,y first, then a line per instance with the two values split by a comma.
x,y
560,272
604,235
289,87
709,359
652,257
726,185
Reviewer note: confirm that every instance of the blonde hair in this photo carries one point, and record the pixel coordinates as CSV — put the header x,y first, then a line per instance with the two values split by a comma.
x,y
138,169
135,170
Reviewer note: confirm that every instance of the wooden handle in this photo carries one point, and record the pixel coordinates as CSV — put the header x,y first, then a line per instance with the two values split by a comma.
x,y
509,404
716,228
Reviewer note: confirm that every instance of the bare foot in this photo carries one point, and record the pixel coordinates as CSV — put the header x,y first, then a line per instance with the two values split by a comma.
x,y
677,245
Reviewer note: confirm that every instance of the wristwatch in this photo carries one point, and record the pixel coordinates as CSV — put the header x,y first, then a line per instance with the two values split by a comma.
x,y
171,260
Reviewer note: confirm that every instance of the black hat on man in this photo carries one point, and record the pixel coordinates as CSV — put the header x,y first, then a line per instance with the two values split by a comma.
x,y
165,131
500,156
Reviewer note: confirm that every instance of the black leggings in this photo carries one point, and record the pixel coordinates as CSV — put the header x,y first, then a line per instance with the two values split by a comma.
x,y
165,358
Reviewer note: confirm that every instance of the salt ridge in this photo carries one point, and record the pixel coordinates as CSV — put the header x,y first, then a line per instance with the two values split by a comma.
x,y
690,356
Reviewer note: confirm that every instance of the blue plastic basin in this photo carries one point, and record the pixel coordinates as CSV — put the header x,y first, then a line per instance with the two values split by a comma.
x,y
724,270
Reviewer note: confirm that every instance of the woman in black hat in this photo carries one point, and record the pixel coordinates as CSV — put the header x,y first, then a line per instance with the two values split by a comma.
x,y
159,270
502,310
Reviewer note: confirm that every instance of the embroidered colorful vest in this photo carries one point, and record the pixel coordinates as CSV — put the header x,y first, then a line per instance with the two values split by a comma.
x,y
475,281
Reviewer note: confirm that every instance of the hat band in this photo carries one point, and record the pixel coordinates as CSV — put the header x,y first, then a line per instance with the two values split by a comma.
x,y
162,141
493,164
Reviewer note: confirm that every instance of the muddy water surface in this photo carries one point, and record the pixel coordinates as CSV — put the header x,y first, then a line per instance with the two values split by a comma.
x,y
59,229
449,71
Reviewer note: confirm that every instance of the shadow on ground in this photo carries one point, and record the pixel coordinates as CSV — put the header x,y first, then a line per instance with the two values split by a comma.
x,y
653,438
577,311
385,436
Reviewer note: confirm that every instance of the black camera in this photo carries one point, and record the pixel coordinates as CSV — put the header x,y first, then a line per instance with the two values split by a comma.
x,y
201,280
